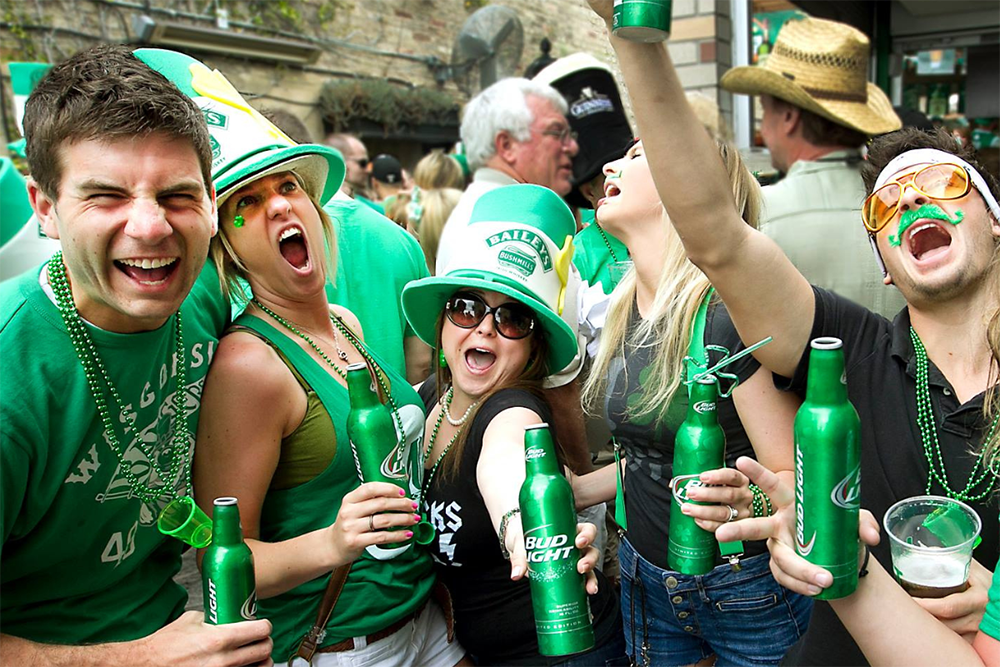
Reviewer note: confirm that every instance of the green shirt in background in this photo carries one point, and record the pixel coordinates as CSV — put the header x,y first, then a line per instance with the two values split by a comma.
x,y
593,256
991,619
82,560
375,259
375,206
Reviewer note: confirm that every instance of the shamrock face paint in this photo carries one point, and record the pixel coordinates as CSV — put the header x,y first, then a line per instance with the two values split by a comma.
x,y
925,212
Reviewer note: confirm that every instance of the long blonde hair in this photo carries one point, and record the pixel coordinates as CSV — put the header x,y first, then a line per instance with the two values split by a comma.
x,y
991,402
681,289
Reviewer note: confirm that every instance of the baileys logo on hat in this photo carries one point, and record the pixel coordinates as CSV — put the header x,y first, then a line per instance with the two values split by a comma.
x,y
245,145
519,242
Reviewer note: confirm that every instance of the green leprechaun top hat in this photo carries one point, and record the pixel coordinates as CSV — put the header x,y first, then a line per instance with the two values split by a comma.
x,y
245,145
519,242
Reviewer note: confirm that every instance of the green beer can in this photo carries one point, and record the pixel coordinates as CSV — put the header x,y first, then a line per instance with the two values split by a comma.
x,y
641,20
548,515
700,445
379,453
227,575
828,470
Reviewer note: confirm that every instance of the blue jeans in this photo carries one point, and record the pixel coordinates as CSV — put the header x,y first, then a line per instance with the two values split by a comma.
x,y
743,618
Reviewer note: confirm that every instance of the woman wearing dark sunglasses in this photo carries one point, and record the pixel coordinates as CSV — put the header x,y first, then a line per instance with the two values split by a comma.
x,y
492,317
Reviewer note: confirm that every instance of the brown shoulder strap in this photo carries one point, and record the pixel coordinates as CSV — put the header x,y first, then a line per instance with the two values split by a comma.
x,y
309,644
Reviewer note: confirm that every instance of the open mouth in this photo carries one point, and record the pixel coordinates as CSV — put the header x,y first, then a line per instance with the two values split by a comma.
x,y
479,359
610,189
927,240
292,245
148,271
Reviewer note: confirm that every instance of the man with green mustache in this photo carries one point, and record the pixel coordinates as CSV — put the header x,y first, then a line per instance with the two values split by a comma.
x,y
924,384
925,212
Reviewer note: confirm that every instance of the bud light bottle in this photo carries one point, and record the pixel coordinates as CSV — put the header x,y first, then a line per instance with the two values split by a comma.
x,y
227,576
828,471
378,452
700,445
548,515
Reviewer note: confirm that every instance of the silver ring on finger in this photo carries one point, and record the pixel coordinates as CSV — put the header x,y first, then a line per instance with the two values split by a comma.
x,y
371,523
733,513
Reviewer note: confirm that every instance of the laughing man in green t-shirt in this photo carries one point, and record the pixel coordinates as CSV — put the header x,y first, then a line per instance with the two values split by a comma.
x,y
101,384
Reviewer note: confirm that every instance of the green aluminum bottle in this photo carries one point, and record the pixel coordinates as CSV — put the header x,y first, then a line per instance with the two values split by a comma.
x,y
641,20
700,445
227,576
828,471
378,453
548,515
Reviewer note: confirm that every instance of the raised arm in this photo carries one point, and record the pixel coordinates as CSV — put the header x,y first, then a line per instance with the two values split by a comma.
x,y
764,293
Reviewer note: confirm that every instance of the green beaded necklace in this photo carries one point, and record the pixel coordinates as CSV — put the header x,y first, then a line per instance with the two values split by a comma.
x,y
348,334
425,487
96,374
932,448
607,242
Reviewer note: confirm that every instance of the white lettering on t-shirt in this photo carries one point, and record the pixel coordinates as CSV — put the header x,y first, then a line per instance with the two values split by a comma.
x,y
118,549
88,466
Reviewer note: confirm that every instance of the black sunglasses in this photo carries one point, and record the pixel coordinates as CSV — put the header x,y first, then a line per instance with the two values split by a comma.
x,y
512,320
362,161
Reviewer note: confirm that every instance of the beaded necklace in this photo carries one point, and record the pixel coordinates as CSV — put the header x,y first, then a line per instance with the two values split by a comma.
x,y
96,374
348,334
932,448
425,487
607,242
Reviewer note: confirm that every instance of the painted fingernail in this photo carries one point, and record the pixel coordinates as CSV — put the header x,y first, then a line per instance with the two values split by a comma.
x,y
409,533
415,505
416,518
402,492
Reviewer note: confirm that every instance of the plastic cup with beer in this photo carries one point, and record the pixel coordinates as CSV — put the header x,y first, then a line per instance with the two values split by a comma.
x,y
931,540
184,520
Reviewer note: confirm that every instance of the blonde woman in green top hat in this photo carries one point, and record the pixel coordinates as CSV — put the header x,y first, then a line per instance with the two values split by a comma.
x,y
492,317
272,432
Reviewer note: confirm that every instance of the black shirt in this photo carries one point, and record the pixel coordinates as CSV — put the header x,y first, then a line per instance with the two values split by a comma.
x,y
649,447
881,383
493,615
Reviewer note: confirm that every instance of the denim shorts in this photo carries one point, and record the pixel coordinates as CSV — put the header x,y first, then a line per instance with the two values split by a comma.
x,y
743,618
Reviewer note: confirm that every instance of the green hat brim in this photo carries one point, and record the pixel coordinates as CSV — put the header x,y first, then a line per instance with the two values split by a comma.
x,y
321,169
424,301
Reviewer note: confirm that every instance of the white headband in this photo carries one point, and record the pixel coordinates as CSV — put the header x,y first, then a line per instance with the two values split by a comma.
x,y
935,156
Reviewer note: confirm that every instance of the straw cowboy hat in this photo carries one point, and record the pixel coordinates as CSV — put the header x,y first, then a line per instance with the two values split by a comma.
x,y
820,66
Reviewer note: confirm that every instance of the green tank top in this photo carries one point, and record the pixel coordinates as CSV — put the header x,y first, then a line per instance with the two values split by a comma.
x,y
310,448
377,592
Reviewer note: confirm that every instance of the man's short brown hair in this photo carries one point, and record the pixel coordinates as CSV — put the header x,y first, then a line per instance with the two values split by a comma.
x,y
884,148
821,131
105,93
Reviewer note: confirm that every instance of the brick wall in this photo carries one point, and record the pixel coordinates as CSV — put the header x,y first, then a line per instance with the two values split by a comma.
x,y
361,36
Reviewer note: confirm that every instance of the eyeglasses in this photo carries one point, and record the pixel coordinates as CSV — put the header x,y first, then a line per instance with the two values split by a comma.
x,y
564,135
362,161
513,320
938,181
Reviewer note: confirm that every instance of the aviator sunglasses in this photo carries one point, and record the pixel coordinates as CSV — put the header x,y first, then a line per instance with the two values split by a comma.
x,y
941,181
512,320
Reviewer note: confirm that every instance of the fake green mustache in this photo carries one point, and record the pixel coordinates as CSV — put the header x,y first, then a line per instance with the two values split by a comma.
x,y
925,212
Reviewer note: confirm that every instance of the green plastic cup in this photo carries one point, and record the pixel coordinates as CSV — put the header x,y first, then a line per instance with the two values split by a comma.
x,y
184,520
641,20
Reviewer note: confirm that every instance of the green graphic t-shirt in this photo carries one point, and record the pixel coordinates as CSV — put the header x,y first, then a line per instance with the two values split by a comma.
x,y
375,259
82,560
